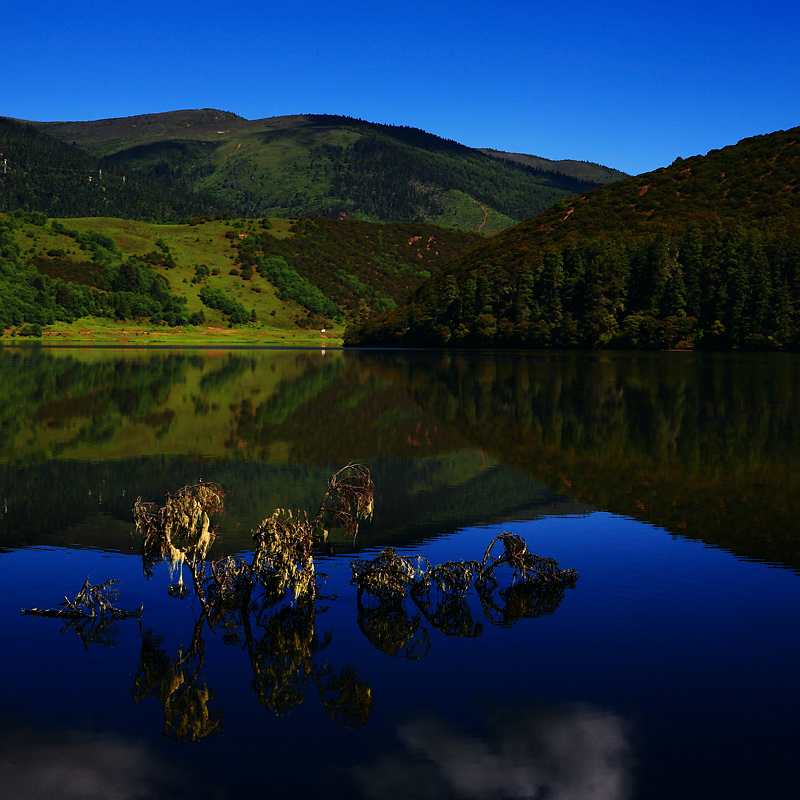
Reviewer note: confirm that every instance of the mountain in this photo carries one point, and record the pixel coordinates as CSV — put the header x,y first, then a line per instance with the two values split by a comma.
x,y
703,253
332,166
582,170
39,173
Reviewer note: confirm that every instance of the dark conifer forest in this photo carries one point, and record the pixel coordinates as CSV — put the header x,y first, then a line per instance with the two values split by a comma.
x,y
704,253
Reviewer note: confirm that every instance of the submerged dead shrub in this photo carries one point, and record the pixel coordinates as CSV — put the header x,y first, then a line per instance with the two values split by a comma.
x,y
533,585
523,564
284,542
93,600
268,603
388,576
179,531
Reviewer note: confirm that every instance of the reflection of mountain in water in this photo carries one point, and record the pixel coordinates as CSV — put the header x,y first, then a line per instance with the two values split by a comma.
x,y
703,445
91,504
104,404
265,424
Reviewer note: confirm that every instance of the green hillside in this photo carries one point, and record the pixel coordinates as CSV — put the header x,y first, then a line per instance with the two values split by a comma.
x,y
211,274
330,166
703,253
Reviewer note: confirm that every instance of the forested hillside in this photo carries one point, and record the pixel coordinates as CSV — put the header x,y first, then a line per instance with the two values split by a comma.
x,y
330,166
704,253
39,173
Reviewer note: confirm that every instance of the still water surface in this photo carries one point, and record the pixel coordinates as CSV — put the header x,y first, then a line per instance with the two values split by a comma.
x,y
670,482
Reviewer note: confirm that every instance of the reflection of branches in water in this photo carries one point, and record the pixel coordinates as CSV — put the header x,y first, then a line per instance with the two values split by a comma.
x,y
94,630
448,613
389,628
280,657
189,710
285,659
519,601
441,595
92,615
347,700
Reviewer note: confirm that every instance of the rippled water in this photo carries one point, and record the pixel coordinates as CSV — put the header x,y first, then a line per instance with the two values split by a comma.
x,y
668,481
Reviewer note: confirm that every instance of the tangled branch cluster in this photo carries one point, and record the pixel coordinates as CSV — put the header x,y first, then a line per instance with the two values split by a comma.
x,y
535,586
93,600
92,614
179,531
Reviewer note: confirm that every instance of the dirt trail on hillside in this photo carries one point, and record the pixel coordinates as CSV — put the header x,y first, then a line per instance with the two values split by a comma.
x,y
485,214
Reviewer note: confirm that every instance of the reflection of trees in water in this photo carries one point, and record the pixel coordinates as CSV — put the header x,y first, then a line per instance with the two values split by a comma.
x,y
95,397
702,444
699,408
51,402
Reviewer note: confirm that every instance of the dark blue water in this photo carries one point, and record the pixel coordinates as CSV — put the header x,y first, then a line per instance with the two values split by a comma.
x,y
670,670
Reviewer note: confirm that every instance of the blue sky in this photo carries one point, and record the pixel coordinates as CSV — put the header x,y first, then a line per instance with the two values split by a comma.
x,y
631,85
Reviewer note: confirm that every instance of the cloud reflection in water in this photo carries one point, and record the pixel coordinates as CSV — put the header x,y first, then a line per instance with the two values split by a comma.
x,y
574,752
69,764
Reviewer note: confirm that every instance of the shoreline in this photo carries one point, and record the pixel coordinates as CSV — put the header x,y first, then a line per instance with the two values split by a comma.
x,y
211,336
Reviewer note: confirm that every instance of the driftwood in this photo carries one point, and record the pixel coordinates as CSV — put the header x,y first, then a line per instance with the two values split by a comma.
x,y
92,615
91,601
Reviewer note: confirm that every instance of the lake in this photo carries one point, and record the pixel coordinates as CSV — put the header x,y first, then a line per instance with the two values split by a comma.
x,y
669,481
